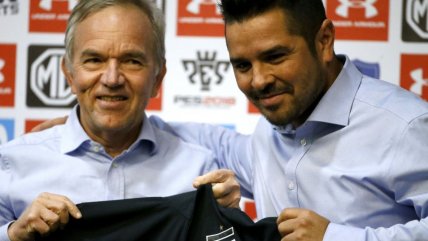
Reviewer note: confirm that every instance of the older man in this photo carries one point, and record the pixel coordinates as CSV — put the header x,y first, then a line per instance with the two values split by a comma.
x,y
107,149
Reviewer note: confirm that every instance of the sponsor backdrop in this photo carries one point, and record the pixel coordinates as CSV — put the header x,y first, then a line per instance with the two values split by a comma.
x,y
387,39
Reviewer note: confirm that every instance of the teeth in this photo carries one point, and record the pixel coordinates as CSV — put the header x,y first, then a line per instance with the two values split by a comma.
x,y
112,98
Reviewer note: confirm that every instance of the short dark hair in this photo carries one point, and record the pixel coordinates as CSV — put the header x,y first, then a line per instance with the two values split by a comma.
x,y
304,17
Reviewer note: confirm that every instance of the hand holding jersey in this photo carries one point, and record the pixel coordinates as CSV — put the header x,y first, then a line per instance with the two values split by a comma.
x,y
45,215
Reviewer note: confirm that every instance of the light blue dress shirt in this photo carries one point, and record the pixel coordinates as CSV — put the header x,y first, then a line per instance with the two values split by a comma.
x,y
63,160
360,160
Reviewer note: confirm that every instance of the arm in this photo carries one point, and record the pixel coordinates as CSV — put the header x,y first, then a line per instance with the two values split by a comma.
x,y
50,123
406,180
232,150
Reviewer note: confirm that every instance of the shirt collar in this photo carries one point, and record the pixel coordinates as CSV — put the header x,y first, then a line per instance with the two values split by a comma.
x,y
74,135
336,104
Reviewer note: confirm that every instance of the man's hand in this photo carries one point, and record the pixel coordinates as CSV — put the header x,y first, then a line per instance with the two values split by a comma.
x,y
46,214
49,123
296,224
226,188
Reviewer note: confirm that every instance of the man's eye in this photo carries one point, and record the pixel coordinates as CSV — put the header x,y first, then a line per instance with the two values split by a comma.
x,y
275,58
242,67
133,62
92,60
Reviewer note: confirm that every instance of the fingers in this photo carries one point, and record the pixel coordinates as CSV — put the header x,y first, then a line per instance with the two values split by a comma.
x,y
226,196
301,224
45,214
288,213
216,176
60,205
226,188
49,123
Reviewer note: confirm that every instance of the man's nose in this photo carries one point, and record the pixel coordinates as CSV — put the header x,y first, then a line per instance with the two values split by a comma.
x,y
261,77
112,75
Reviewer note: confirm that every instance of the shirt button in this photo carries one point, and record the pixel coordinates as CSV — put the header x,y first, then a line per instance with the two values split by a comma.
x,y
303,142
291,186
96,148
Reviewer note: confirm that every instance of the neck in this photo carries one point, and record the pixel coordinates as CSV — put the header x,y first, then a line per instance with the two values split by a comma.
x,y
333,69
117,142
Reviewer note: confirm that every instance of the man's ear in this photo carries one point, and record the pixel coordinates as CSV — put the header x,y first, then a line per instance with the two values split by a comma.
x,y
324,41
158,81
65,67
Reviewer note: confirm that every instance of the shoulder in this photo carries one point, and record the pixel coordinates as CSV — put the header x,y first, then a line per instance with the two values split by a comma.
x,y
168,139
390,99
45,138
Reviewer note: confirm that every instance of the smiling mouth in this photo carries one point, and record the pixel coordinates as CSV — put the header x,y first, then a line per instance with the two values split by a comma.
x,y
112,98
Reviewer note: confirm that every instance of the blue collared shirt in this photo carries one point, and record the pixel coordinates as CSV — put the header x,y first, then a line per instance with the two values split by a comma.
x,y
360,160
64,160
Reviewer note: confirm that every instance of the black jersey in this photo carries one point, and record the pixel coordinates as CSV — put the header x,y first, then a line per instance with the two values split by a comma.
x,y
191,216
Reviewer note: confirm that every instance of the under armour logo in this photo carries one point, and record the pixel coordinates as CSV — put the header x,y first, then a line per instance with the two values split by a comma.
x,y
368,5
1,67
194,5
420,82
47,4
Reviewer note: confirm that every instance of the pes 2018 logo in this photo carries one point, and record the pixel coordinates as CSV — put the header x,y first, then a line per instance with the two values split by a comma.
x,y
359,19
205,72
414,74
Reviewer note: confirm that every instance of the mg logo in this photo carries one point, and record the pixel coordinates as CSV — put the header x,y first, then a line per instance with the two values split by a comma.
x,y
47,81
419,82
417,16
368,5
1,68
47,4
206,69
194,6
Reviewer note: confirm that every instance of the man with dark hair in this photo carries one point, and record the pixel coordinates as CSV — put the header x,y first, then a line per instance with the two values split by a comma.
x,y
337,155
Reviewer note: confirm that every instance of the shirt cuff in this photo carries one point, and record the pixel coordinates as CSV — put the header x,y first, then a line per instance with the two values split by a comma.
x,y
337,232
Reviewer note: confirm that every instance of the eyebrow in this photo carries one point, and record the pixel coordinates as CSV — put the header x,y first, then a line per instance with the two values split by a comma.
x,y
90,52
135,55
275,50
264,54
